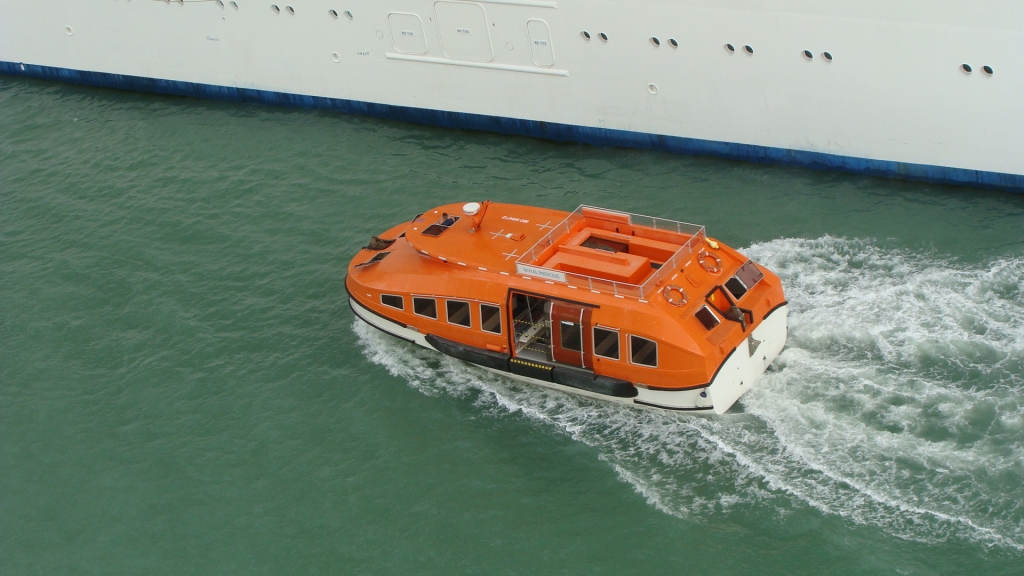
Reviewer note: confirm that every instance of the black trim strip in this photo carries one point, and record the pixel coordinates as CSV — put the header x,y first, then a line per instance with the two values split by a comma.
x,y
375,326
371,310
694,409
784,303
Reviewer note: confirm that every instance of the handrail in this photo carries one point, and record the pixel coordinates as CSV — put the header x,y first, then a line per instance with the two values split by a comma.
x,y
525,263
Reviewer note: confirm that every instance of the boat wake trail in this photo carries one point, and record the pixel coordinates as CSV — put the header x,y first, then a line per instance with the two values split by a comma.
x,y
897,403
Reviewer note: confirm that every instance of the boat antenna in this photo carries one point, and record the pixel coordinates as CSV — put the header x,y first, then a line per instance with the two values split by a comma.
x,y
479,218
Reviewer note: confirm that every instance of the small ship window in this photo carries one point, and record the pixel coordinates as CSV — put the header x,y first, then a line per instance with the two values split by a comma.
x,y
458,312
234,5
673,42
966,68
827,56
291,10
585,35
443,223
987,69
275,8
425,307
393,301
606,343
333,13
348,14
808,54
490,318
643,351
603,37
605,245
376,258
572,336
736,287
655,41
730,47
707,317
749,49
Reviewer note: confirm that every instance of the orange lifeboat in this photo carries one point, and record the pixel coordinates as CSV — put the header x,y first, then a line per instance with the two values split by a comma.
x,y
612,305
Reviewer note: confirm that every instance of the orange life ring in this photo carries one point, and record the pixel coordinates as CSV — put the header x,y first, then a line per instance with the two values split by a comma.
x,y
667,292
703,256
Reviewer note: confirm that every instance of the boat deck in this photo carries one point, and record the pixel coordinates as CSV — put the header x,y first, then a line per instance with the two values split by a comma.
x,y
626,254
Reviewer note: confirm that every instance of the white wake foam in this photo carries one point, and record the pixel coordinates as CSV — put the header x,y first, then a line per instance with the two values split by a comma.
x,y
898,401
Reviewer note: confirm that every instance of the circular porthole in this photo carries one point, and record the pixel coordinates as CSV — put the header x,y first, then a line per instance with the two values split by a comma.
x,y
69,30
987,69
380,34
509,45
333,13
655,41
652,88
673,42
585,35
749,49
335,56
603,37
348,14
966,68
730,48
808,54
234,4
827,56
291,10
220,3
275,8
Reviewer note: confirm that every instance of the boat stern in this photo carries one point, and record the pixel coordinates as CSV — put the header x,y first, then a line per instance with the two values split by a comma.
x,y
749,360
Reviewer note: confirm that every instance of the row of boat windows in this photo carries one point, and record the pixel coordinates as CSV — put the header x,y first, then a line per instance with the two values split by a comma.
x,y
606,342
457,311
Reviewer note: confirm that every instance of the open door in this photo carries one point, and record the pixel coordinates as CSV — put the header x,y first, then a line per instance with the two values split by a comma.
x,y
570,326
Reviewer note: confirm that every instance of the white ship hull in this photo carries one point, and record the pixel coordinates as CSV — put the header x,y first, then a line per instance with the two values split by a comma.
x,y
893,100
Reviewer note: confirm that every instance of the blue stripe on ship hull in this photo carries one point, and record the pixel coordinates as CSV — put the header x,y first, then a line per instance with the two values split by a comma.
x,y
538,129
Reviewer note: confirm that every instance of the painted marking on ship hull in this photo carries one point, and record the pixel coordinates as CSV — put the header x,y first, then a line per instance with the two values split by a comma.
x,y
534,128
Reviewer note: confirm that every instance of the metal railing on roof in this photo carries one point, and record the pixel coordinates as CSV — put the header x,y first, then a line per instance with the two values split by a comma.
x,y
696,234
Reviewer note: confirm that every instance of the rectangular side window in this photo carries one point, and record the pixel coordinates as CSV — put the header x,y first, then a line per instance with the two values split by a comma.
x,y
458,312
392,301
736,287
706,317
606,343
425,307
643,351
490,318
572,336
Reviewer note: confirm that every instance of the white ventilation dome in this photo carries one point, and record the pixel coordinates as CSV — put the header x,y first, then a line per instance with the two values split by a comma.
x,y
471,209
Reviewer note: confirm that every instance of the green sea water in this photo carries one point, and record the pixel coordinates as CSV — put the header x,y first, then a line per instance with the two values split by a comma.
x,y
184,390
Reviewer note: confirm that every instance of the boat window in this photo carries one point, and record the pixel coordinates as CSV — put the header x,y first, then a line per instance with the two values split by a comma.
x,y
425,307
606,245
606,343
572,336
392,301
707,317
643,351
749,274
376,258
736,287
458,313
490,318
443,223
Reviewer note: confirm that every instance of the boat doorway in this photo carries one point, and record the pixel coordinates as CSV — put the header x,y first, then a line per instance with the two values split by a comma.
x,y
547,330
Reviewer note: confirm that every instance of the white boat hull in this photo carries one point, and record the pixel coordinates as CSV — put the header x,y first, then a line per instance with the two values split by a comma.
x,y
736,377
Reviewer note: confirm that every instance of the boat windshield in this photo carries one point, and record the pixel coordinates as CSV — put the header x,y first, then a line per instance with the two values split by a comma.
x,y
443,223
